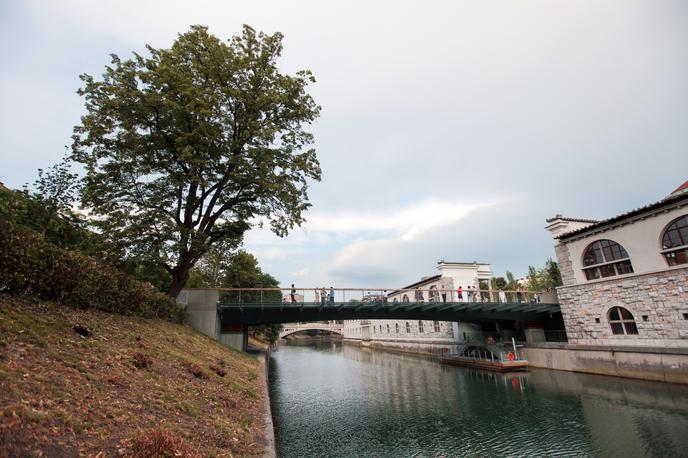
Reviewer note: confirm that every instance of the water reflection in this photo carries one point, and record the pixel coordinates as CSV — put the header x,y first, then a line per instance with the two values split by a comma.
x,y
334,400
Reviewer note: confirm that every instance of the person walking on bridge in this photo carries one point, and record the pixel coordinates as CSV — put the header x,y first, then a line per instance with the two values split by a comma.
x,y
293,293
331,296
459,294
323,296
317,295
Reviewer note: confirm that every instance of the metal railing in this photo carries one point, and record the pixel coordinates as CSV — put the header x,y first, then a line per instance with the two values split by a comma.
x,y
484,347
326,296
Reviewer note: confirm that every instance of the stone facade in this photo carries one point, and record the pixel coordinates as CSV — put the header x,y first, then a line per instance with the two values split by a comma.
x,y
658,302
426,331
565,264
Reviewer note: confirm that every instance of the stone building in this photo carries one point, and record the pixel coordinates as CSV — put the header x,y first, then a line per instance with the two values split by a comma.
x,y
626,277
422,336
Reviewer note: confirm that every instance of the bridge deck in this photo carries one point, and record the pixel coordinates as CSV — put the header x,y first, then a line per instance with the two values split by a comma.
x,y
280,312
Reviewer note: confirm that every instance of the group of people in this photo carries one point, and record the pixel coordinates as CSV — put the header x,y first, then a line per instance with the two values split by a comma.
x,y
321,295
469,294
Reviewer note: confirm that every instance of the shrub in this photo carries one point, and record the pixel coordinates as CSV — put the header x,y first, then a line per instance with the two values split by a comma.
x,y
218,370
160,443
194,369
30,265
141,361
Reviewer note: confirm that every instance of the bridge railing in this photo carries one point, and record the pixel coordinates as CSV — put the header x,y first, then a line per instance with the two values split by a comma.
x,y
325,296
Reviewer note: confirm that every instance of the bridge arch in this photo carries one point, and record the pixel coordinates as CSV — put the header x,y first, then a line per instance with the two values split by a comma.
x,y
293,329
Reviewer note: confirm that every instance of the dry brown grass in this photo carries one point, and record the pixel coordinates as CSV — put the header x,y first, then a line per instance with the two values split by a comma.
x,y
160,443
62,394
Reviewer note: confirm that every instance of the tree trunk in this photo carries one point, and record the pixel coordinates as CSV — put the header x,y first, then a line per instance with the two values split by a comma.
x,y
180,274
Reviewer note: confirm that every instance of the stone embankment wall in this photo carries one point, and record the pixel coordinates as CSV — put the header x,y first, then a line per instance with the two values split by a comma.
x,y
658,302
400,346
664,365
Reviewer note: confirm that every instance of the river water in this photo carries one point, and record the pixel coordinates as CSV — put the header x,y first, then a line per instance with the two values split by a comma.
x,y
334,400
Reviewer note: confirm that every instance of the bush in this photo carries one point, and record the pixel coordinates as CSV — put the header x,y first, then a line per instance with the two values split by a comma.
x,y
30,265
141,361
160,443
195,369
218,370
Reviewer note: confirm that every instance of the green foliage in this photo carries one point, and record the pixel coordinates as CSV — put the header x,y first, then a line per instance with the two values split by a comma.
x,y
30,265
184,148
498,283
66,230
70,231
546,278
55,190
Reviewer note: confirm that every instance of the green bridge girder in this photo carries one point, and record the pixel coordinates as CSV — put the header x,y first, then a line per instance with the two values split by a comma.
x,y
256,313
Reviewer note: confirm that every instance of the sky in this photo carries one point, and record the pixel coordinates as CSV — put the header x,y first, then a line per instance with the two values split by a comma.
x,y
449,130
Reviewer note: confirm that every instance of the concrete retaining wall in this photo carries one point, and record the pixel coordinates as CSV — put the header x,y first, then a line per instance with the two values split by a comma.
x,y
398,346
665,365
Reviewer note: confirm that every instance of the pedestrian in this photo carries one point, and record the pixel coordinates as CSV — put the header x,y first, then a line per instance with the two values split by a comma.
x,y
419,295
459,294
331,295
293,293
323,296
317,295
502,296
469,294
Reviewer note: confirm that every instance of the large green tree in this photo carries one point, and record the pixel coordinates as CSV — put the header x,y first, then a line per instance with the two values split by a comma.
x,y
191,145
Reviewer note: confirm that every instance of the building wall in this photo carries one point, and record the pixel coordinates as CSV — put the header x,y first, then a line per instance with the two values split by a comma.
x,y
377,330
658,302
642,239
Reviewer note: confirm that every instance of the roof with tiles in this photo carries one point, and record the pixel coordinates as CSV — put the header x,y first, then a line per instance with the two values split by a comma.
x,y
677,197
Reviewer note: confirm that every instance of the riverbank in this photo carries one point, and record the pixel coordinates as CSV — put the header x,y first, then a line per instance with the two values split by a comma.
x,y
652,364
83,382
645,363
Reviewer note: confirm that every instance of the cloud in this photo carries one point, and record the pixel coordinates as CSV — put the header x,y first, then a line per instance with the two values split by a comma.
x,y
409,222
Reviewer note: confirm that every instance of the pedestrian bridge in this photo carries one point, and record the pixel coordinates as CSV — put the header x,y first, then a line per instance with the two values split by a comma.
x,y
292,328
224,313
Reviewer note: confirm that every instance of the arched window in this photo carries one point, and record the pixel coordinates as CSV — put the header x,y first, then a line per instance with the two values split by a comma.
x,y
437,326
675,242
408,328
420,326
605,258
395,300
404,298
397,327
621,321
387,328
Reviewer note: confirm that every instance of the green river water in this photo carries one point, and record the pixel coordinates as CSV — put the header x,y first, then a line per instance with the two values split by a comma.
x,y
334,400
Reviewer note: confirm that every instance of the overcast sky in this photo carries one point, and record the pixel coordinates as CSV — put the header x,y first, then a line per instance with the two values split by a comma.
x,y
449,130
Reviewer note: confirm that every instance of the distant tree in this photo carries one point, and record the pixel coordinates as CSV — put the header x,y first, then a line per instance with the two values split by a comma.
x,y
551,275
56,189
545,278
498,283
190,146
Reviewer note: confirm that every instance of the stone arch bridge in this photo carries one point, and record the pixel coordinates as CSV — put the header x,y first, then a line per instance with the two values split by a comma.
x,y
292,328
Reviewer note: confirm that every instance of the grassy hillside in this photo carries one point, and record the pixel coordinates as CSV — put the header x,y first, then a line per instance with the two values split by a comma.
x,y
130,386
